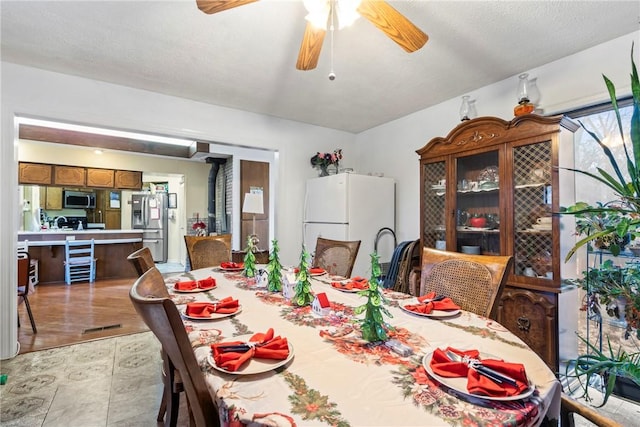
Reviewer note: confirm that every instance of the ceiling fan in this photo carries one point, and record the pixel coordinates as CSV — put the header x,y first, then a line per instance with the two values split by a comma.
x,y
379,13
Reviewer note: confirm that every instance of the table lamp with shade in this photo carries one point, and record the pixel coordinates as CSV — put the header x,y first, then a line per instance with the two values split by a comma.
x,y
253,204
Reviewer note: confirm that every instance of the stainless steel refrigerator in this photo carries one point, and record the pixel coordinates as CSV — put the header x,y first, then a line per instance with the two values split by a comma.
x,y
149,212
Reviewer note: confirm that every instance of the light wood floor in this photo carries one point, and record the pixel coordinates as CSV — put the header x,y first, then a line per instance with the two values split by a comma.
x,y
71,314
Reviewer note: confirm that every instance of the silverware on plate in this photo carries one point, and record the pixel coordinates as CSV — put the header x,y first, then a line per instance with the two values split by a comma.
x,y
476,364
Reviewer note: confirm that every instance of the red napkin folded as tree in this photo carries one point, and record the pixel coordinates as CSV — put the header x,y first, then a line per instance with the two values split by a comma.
x,y
262,346
428,306
190,285
355,283
232,265
226,305
478,384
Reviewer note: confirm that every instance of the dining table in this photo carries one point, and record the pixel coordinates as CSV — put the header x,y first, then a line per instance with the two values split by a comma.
x,y
333,377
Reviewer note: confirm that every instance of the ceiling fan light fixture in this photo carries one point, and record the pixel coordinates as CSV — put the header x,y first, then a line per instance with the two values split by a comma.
x,y
318,12
346,12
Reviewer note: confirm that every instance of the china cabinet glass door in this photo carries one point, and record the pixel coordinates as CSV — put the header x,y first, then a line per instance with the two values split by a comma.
x,y
435,186
478,204
532,208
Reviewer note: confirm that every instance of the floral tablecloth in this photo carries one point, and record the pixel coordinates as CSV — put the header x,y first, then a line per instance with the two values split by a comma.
x,y
336,379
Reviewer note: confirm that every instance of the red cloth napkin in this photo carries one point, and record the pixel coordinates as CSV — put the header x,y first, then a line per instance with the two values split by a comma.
x,y
267,347
427,307
190,285
232,265
355,283
206,309
478,384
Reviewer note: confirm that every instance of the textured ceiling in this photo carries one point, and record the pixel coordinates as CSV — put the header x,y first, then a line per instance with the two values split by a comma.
x,y
245,57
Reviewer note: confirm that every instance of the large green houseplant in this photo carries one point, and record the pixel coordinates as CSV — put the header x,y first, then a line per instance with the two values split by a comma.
x,y
611,225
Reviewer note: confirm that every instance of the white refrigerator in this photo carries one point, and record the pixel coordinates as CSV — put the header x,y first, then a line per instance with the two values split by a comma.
x,y
350,207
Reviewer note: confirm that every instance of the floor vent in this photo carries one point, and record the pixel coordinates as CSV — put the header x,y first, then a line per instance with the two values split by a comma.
x,y
102,328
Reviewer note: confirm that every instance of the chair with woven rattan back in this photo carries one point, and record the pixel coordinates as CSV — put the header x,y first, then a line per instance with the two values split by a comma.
x,y
337,257
570,406
208,251
474,282
142,260
162,317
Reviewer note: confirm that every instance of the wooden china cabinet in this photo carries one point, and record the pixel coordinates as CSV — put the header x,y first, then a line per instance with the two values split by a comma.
x,y
493,185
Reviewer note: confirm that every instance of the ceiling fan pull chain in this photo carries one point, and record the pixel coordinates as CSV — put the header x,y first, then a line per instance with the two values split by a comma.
x,y
332,75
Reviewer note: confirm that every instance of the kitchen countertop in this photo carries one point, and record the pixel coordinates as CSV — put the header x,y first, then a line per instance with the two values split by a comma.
x,y
69,231
60,236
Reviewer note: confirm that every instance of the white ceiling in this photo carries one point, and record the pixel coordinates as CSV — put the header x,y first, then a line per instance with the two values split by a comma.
x,y
245,57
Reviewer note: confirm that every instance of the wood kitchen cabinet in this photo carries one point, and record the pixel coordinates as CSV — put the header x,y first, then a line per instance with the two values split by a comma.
x,y
486,185
69,175
100,178
131,180
51,198
35,173
46,174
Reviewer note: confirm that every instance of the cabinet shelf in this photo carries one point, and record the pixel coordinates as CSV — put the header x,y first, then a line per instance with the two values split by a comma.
x,y
532,185
465,229
480,190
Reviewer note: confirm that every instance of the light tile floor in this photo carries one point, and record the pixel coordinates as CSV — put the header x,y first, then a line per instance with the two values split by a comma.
x,y
117,382
110,382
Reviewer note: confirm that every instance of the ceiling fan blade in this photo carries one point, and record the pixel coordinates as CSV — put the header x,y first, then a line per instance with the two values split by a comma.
x,y
310,47
393,24
215,6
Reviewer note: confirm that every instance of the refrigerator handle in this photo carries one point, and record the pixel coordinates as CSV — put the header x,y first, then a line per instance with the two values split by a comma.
x,y
145,213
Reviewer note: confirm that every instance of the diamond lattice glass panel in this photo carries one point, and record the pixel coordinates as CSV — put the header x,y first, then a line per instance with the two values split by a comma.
x,y
532,209
434,198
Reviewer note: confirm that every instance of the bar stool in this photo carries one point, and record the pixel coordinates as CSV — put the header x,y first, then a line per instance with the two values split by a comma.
x,y
79,263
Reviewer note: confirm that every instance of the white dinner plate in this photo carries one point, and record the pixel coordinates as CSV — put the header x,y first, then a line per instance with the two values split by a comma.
x,y
435,314
459,384
231,268
214,316
314,274
196,290
349,291
255,365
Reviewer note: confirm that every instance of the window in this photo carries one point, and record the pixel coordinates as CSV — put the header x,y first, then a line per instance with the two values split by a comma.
x,y
600,120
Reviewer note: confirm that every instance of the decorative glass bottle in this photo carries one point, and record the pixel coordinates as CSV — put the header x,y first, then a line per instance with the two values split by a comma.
x,y
464,109
473,113
534,95
524,104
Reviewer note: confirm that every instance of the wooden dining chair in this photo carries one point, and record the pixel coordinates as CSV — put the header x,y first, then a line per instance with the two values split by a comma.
x,y
162,317
474,282
142,260
569,406
337,257
208,251
25,286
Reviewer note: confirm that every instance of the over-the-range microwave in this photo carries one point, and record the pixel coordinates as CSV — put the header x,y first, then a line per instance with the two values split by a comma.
x,y
79,199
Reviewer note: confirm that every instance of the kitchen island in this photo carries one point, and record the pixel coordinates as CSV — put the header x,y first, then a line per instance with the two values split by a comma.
x,y
111,250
